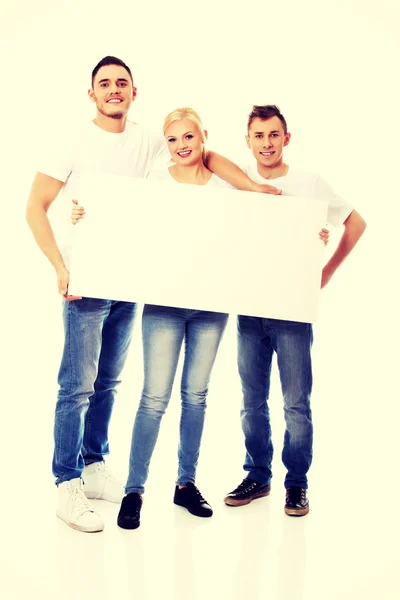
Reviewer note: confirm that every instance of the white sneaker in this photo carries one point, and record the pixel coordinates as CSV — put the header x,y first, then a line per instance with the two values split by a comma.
x,y
75,510
99,484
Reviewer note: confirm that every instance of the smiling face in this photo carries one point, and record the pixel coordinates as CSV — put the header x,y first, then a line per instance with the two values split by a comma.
x,y
185,142
267,139
113,91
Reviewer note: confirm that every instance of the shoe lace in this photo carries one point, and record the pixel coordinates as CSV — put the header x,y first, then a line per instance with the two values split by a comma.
x,y
80,502
295,495
107,475
133,502
244,486
195,492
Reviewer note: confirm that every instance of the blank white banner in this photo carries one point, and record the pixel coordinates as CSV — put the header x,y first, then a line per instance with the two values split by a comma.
x,y
198,247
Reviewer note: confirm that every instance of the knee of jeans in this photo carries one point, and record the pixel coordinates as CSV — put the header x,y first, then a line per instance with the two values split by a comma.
x,y
194,397
154,402
75,400
297,417
106,383
296,401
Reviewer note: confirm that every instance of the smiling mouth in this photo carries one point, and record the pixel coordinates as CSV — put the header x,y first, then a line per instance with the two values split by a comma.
x,y
267,153
114,101
184,154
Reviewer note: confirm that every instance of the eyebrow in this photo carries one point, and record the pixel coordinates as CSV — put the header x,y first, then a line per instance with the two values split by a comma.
x,y
190,131
183,134
273,131
119,79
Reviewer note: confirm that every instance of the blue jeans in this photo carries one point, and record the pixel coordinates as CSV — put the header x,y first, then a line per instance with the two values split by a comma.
x,y
257,340
97,338
164,329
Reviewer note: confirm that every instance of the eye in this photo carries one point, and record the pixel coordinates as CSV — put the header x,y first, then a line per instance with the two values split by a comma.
x,y
122,84
189,136
103,84
258,135
171,140
274,134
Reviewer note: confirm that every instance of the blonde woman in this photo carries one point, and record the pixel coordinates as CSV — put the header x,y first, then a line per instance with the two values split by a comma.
x,y
165,329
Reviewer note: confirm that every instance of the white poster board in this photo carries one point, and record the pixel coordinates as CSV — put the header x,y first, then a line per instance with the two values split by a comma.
x,y
198,247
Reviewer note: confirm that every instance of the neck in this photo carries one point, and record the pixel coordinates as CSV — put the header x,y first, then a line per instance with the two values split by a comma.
x,y
109,124
196,174
278,170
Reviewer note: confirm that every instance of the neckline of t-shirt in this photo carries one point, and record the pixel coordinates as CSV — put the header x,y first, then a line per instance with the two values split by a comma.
x,y
197,184
275,178
111,133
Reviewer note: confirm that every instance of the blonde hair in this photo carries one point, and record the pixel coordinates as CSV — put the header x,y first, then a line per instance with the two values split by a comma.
x,y
187,113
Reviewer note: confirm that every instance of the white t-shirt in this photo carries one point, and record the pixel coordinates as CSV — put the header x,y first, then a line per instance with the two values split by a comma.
x,y
163,174
92,150
306,185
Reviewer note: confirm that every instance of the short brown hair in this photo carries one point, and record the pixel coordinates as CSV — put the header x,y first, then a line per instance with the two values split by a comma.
x,y
266,112
110,60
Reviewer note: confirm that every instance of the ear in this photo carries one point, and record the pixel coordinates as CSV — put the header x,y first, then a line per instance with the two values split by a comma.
x,y
205,134
91,95
287,139
248,141
134,92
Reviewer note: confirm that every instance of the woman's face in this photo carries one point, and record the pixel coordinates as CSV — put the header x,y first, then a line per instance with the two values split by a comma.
x,y
185,142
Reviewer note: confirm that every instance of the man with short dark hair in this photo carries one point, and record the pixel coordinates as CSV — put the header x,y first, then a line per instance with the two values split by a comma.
x,y
97,331
259,338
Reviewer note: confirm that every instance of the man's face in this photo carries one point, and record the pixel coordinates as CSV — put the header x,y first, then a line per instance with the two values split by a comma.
x,y
113,91
267,139
185,142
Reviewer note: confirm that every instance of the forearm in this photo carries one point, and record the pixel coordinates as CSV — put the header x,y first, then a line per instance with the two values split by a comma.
x,y
230,172
39,224
354,228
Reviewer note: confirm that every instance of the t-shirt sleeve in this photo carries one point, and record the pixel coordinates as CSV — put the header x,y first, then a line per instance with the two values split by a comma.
x,y
55,158
338,209
160,152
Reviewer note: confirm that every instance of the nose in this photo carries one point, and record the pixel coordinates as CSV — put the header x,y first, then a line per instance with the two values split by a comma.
x,y
183,145
113,89
267,143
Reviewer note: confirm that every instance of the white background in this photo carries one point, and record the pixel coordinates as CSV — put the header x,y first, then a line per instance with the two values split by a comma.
x,y
332,67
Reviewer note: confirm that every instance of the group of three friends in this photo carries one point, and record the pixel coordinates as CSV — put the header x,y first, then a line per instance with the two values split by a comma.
x,y
98,332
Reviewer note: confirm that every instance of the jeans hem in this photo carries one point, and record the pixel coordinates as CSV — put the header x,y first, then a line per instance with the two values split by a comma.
x,y
185,480
134,490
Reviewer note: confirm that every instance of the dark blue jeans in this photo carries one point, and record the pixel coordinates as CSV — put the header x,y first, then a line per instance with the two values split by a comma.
x,y
97,338
258,338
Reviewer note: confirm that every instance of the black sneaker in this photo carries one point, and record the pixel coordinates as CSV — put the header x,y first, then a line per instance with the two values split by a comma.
x,y
190,497
129,513
296,502
247,491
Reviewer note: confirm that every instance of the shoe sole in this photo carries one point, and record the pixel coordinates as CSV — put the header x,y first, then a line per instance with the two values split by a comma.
x,y
130,527
235,502
297,512
193,513
79,527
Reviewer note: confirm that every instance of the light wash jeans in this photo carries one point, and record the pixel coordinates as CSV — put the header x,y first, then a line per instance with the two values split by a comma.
x,y
97,338
257,340
164,329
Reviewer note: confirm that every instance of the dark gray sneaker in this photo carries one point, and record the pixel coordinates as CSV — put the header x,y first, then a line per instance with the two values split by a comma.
x,y
247,491
296,502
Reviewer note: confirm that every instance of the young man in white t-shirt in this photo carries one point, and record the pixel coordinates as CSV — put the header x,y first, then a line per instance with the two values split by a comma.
x,y
258,338
97,332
